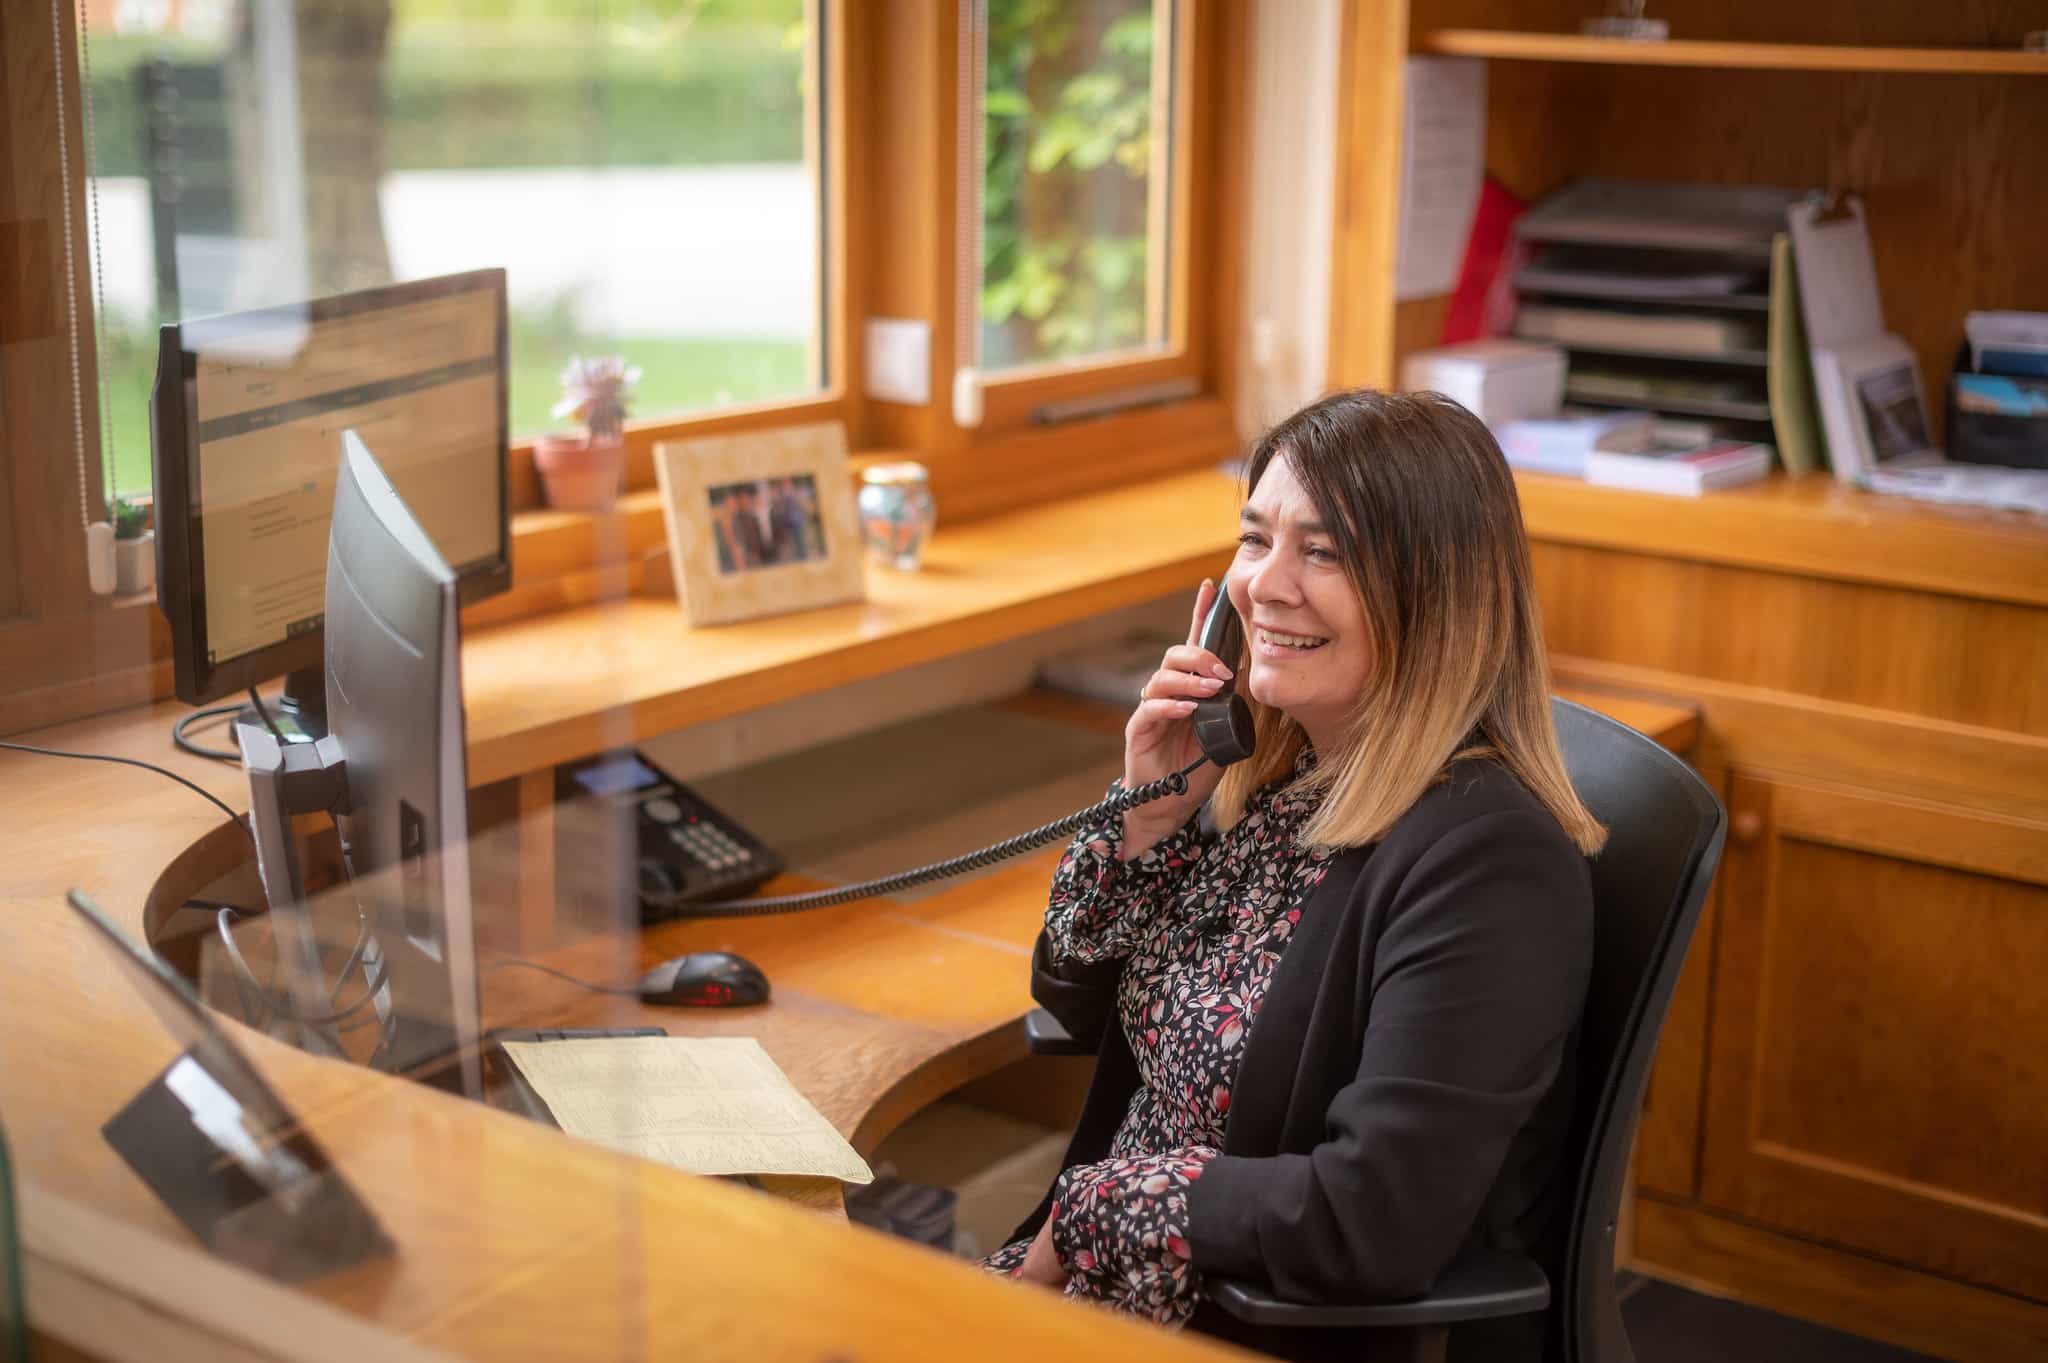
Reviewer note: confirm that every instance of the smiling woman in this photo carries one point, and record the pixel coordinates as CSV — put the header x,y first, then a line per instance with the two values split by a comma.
x,y
1392,887
1435,642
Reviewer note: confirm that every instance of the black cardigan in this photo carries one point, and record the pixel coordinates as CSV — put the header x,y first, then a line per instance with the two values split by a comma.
x,y
1406,1089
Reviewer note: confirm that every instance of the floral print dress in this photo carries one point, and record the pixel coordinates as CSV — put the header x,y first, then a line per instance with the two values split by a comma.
x,y
1200,927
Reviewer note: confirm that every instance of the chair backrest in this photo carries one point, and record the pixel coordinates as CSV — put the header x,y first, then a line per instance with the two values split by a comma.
x,y
1665,830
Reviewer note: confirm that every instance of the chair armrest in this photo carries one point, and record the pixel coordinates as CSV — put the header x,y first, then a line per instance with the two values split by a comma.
x,y
1474,1288
1043,1035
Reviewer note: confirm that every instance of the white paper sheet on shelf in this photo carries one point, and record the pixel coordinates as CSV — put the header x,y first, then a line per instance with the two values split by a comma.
x,y
1443,162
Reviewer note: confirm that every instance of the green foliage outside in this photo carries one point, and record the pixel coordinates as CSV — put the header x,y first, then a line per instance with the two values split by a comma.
x,y
1069,145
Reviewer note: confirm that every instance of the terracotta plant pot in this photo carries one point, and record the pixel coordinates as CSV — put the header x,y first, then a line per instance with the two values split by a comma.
x,y
580,473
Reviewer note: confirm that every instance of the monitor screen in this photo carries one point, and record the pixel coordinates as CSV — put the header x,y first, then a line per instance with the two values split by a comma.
x,y
248,416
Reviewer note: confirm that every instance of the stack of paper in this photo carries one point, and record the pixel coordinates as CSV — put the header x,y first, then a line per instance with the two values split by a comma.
x,y
712,1105
1671,332
1561,443
1687,470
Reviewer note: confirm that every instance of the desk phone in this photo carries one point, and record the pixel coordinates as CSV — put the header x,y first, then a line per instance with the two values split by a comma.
x,y
686,849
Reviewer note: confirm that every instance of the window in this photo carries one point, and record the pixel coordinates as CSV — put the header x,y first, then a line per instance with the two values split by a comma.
x,y
647,171
1076,180
1081,222
723,191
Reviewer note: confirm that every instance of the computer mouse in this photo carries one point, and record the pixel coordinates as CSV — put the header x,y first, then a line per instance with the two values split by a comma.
x,y
705,979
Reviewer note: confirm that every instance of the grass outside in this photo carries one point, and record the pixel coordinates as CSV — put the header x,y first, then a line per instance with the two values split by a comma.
x,y
681,375
477,96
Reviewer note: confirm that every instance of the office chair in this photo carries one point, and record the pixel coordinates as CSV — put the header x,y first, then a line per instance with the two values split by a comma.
x,y
1665,830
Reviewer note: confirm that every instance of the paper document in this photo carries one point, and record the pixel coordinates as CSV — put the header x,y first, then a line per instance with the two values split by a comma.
x,y
1443,161
712,1105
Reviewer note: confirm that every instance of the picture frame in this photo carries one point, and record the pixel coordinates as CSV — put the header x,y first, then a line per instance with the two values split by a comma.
x,y
1872,407
760,522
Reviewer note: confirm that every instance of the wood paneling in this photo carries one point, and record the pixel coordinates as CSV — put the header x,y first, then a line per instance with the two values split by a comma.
x,y
1811,527
45,316
1784,734
1364,240
1878,1043
1969,662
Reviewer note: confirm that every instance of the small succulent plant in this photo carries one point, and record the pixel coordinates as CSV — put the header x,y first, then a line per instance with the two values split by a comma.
x,y
595,392
130,519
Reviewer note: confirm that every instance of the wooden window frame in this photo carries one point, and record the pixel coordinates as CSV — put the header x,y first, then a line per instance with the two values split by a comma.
x,y
888,217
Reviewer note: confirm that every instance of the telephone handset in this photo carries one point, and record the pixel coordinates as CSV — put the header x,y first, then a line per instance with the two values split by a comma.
x,y
690,852
1223,722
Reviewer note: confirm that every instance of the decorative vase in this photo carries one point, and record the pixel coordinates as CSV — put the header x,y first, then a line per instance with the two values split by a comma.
x,y
135,564
896,513
580,473
99,558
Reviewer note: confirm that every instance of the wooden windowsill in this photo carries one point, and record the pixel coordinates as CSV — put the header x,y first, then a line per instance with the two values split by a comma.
x,y
618,667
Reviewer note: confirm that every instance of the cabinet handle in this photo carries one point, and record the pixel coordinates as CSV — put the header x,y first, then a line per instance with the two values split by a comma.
x,y
1747,826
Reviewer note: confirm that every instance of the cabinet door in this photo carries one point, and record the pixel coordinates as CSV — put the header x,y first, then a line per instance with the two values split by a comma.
x,y
1878,1077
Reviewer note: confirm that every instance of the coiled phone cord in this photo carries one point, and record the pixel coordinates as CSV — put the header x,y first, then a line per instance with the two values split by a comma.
x,y
1123,800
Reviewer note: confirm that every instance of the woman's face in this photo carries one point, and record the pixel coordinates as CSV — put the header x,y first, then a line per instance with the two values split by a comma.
x,y
1311,654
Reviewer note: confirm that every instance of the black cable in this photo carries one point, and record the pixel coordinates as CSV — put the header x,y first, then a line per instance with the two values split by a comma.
x,y
279,1006
200,791
185,744
1116,804
503,961
264,715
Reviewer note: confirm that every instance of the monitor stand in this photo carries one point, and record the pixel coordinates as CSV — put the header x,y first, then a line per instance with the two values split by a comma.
x,y
301,712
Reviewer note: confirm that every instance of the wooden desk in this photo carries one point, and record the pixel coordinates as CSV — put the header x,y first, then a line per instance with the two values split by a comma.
x,y
514,1241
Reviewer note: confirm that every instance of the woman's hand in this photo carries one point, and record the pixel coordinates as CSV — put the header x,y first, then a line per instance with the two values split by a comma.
x,y
1040,1264
1160,739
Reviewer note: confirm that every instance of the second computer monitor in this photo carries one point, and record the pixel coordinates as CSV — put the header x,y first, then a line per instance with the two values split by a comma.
x,y
246,423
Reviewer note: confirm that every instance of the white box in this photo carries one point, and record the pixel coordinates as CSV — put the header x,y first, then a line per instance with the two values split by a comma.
x,y
1498,380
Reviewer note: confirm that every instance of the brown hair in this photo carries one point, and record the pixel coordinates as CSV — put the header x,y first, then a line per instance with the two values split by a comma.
x,y
1425,516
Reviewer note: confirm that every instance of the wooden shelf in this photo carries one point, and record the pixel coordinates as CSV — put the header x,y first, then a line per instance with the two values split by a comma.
x,y
1570,47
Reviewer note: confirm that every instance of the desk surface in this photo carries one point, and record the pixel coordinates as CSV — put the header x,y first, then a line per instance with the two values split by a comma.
x,y
515,1241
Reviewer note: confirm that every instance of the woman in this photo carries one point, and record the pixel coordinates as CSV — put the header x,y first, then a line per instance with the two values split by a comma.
x,y
1336,1030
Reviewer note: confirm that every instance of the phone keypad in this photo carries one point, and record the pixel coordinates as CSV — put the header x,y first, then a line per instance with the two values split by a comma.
x,y
710,845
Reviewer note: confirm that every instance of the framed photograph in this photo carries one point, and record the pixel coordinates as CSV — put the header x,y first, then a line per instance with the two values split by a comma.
x,y
1871,407
760,522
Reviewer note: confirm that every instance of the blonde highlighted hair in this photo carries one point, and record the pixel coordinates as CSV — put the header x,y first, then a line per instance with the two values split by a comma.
x,y
1426,518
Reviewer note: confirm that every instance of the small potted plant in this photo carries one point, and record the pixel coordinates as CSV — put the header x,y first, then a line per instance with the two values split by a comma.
x,y
134,548
581,472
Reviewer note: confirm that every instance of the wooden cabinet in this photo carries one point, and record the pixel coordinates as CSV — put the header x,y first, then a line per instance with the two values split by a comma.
x,y
1848,1117
1845,1121
1877,1077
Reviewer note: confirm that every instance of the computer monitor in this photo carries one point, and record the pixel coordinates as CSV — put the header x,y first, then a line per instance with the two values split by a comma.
x,y
245,426
394,704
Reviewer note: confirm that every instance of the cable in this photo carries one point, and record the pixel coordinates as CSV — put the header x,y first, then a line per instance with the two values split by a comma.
x,y
225,928
185,744
200,791
1116,804
264,715
503,961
